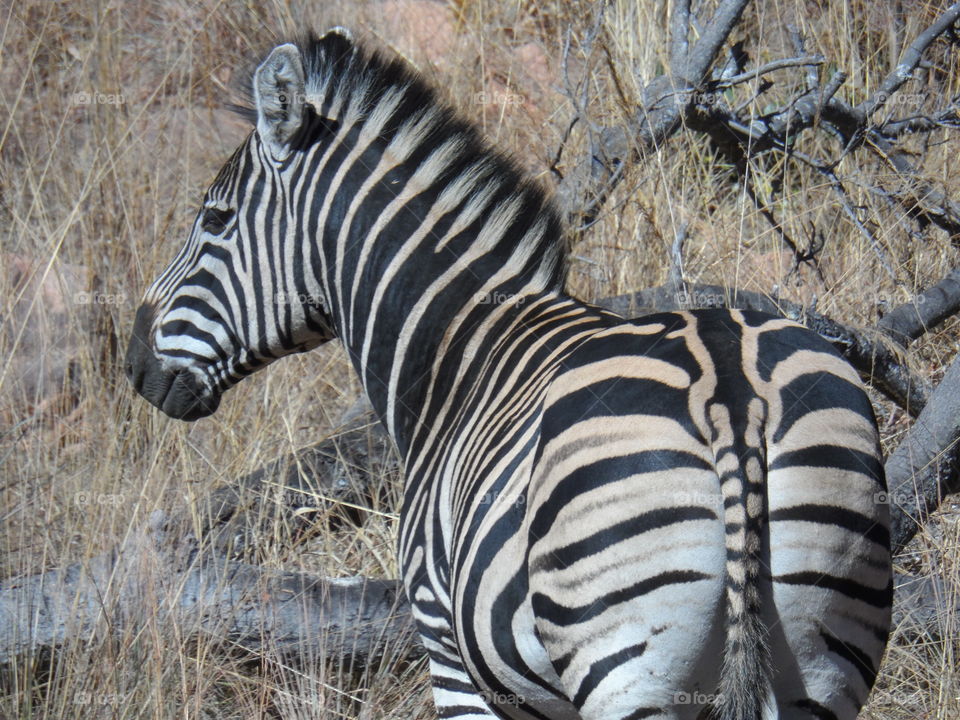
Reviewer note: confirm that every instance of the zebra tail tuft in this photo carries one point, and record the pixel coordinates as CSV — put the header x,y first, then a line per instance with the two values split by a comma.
x,y
745,691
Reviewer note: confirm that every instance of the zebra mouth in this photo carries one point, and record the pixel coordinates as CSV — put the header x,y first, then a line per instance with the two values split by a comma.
x,y
186,399
178,392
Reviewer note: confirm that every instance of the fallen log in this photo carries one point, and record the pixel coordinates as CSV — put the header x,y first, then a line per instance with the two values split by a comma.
x,y
925,467
926,310
188,570
160,576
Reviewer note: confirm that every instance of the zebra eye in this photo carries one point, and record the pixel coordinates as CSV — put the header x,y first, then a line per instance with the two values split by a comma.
x,y
215,220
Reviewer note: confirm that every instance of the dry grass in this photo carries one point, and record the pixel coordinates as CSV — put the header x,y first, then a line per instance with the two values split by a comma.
x,y
115,125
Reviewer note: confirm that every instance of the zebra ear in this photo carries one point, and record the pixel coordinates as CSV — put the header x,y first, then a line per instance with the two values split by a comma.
x,y
339,30
279,90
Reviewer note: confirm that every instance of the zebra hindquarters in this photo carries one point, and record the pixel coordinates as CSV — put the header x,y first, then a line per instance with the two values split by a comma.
x,y
627,567
828,538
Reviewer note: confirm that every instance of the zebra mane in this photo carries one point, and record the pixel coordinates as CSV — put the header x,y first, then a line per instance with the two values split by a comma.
x,y
347,84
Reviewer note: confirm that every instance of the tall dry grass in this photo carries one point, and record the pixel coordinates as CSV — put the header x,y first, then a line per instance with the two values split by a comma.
x,y
114,125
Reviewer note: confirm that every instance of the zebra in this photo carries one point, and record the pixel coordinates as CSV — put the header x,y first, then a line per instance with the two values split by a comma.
x,y
675,516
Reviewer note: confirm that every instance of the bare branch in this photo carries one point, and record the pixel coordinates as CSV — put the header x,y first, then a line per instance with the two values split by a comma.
x,y
676,259
669,101
773,66
158,576
926,464
918,197
702,55
949,117
908,63
585,189
679,33
186,570
833,85
851,213
925,311
799,43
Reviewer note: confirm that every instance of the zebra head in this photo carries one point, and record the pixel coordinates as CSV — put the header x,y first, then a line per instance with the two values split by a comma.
x,y
239,294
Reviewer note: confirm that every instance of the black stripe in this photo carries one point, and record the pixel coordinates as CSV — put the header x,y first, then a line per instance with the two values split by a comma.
x,y
562,663
838,517
815,709
834,457
601,668
607,537
853,655
641,713
776,345
185,328
820,390
603,472
879,598
445,683
545,608
456,711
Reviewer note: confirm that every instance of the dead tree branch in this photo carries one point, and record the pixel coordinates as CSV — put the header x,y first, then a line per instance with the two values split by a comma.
x,y
926,465
161,576
909,62
695,67
924,312
587,186
687,96
184,571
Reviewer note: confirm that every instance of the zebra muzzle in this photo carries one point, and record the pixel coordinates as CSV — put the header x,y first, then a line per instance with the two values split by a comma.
x,y
178,392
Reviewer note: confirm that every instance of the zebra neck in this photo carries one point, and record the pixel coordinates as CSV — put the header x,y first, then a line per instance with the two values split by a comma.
x,y
411,269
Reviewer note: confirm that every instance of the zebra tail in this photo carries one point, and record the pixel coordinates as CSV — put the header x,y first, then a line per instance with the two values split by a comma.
x,y
744,689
